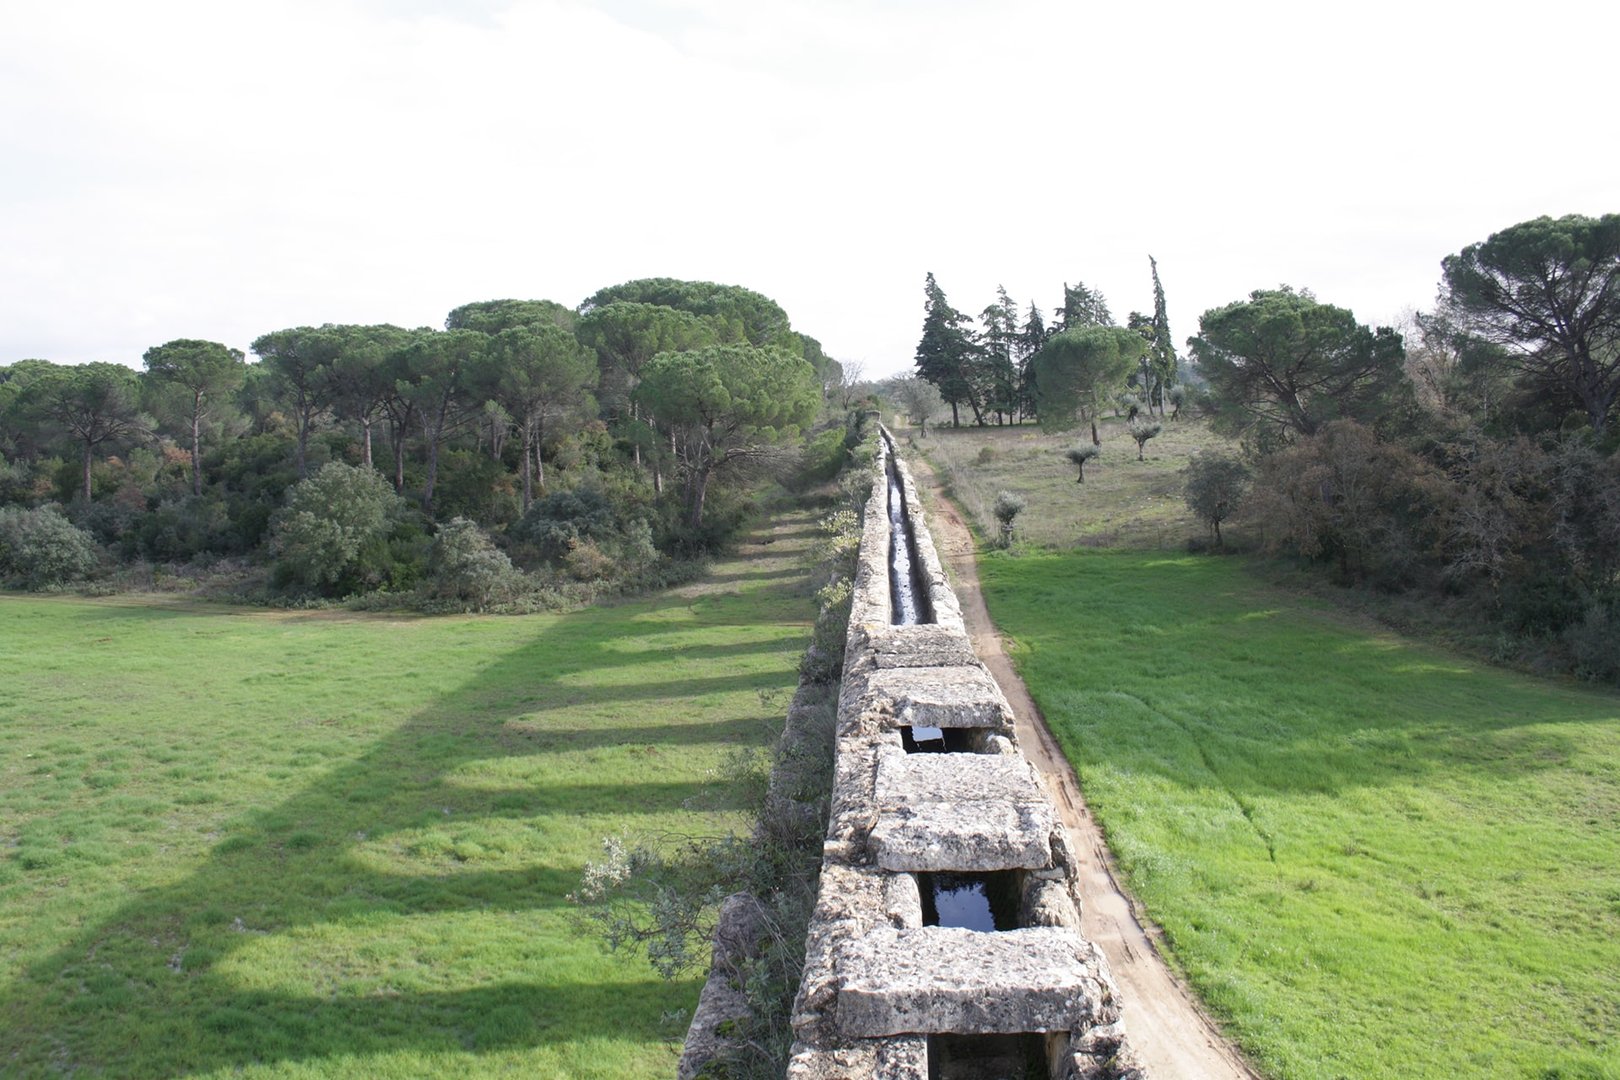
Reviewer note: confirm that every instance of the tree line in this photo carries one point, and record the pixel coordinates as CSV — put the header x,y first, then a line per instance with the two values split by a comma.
x,y
552,429
992,368
1470,455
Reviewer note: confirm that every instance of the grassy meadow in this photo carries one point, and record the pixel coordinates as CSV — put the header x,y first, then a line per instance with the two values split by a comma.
x,y
1123,502
1371,856
254,843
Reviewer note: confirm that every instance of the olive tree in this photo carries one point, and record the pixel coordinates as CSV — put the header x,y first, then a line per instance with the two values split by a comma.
x,y
1080,455
1008,506
1216,485
1142,430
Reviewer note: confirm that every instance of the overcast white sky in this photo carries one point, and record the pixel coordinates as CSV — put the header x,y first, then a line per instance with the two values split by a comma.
x,y
198,168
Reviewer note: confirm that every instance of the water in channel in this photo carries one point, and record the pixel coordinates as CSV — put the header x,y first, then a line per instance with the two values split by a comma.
x,y
982,902
907,600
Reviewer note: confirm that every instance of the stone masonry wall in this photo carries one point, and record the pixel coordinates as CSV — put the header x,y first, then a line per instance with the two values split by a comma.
x,y
877,982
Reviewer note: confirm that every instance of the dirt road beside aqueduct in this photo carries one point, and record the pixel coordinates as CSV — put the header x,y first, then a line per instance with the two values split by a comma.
x,y
1170,1033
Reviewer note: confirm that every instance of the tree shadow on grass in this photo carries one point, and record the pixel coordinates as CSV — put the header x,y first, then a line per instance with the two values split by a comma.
x,y
169,984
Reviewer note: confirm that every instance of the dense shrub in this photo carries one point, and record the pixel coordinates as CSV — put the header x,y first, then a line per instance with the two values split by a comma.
x,y
334,535
106,520
1594,644
472,485
464,566
41,549
1373,511
823,458
556,524
184,528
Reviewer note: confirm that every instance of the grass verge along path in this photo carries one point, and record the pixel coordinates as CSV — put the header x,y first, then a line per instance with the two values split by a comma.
x,y
252,843
1372,858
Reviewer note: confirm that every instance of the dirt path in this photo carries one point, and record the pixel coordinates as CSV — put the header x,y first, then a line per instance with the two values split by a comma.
x,y
1168,1029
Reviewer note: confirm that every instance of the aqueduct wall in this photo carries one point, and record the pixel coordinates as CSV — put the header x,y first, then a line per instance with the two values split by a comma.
x,y
945,941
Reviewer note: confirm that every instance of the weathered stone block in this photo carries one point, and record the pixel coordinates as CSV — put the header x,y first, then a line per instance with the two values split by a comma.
x,y
904,779
970,836
901,1057
939,979
979,812
925,645
942,697
1048,903
723,1000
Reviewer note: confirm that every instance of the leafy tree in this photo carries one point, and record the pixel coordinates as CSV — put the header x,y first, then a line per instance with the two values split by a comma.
x,y
829,371
1080,455
493,316
1281,365
946,352
41,549
21,430
917,397
439,369
628,334
737,314
358,382
1547,292
1075,367
1216,485
332,535
94,404
208,373
728,404
298,359
1031,337
1143,429
541,375
1008,506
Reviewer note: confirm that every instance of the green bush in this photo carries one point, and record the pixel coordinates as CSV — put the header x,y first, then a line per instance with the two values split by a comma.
x,y
558,523
1007,508
41,549
464,566
334,535
473,486
1594,642
184,528
823,458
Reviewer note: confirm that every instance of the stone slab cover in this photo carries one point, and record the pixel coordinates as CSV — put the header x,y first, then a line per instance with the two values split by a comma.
x,y
947,979
913,779
942,697
965,812
967,837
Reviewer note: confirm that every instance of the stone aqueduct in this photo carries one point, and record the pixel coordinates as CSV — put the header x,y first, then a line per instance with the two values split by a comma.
x,y
945,940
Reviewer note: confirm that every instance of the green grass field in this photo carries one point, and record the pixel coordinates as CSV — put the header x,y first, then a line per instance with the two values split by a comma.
x,y
1371,857
1123,503
250,843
